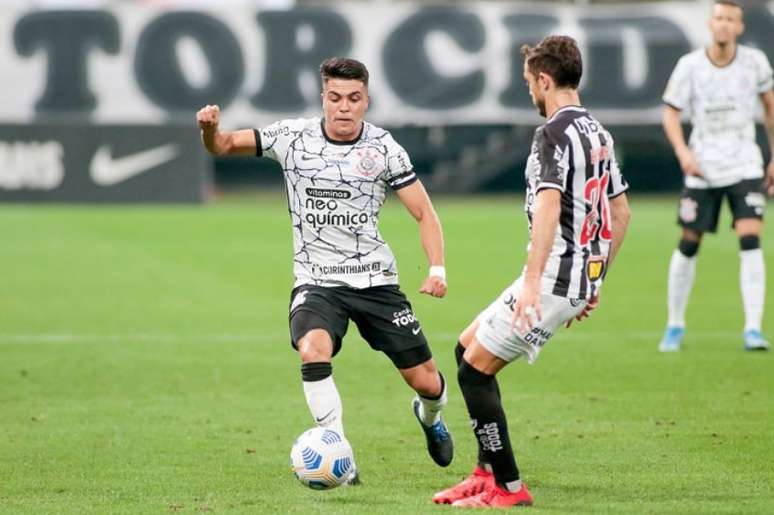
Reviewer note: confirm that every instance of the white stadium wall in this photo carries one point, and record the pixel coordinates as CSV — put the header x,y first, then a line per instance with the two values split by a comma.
x,y
115,84
429,66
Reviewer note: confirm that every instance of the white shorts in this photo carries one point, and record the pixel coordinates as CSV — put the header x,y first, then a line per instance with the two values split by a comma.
x,y
498,337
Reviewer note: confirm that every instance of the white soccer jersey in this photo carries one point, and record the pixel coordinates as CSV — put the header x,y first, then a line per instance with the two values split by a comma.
x,y
335,191
573,153
721,102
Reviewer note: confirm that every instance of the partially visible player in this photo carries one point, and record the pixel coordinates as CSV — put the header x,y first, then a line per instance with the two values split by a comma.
x,y
720,87
338,170
577,213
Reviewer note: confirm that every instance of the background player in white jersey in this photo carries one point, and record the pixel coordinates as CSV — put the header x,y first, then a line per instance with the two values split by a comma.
x,y
578,214
720,86
337,170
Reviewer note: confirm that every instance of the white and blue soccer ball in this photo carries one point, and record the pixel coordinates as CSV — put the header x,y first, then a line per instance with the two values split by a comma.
x,y
321,458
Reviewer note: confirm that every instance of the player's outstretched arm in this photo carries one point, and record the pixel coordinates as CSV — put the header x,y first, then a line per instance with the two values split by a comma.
x,y
674,132
418,203
768,120
223,143
545,220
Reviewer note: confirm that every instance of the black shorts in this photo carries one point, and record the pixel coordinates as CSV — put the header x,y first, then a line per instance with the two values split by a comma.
x,y
382,314
699,209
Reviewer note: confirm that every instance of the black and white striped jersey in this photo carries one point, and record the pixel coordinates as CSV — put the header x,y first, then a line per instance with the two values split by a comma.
x,y
573,153
335,191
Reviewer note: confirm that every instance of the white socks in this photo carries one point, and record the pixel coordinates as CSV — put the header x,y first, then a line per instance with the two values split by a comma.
x,y
324,402
513,486
681,273
430,409
752,280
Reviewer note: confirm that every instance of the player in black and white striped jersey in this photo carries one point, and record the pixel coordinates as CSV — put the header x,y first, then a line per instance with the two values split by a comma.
x,y
573,153
578,214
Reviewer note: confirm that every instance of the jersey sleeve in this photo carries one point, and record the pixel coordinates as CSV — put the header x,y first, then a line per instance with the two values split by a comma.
x,y
764,80
273,141
554,156
617,184
399,172
678,89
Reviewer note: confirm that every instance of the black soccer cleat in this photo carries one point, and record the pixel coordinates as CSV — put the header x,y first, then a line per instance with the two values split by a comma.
x,y
353,479
439,440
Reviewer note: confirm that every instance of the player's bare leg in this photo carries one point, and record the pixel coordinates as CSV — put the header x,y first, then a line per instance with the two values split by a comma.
x,y
424,378
431,398
467,336
682,270
752,281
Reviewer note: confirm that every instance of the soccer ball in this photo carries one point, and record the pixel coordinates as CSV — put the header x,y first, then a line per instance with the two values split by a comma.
x,y
321,458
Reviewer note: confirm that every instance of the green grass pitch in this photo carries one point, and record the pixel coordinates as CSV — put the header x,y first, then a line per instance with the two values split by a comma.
x,y
145,368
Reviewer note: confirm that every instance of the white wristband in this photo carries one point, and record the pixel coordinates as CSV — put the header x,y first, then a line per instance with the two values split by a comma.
x,y
438,271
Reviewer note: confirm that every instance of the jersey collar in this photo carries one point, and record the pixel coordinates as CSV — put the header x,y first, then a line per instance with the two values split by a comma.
x,y
335,142
566,108
716,65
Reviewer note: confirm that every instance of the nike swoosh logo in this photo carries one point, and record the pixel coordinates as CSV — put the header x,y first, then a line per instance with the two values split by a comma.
x,y
324,416
305,157
415,331
108,171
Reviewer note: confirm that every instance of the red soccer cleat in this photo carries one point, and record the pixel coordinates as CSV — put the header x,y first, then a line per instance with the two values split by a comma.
x,y
496,497
474,484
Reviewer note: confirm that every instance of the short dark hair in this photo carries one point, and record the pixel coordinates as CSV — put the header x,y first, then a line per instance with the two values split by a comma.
x,y
343,68
557,56
730,3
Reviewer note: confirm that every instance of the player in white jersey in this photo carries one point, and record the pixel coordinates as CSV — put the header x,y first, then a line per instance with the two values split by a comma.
x,y
720,87
578,213
337,171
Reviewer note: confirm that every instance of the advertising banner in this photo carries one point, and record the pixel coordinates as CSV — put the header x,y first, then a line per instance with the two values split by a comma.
x,y
430,66
87,163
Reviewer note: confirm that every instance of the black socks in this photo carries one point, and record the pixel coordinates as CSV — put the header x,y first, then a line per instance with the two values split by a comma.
x,y
482,397
316,371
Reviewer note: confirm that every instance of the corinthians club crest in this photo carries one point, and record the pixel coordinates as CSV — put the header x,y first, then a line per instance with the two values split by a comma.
x,y
366,165
688,211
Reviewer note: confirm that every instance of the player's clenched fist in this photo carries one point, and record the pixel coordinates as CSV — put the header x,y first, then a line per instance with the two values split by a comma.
x,y
434,286
208,117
